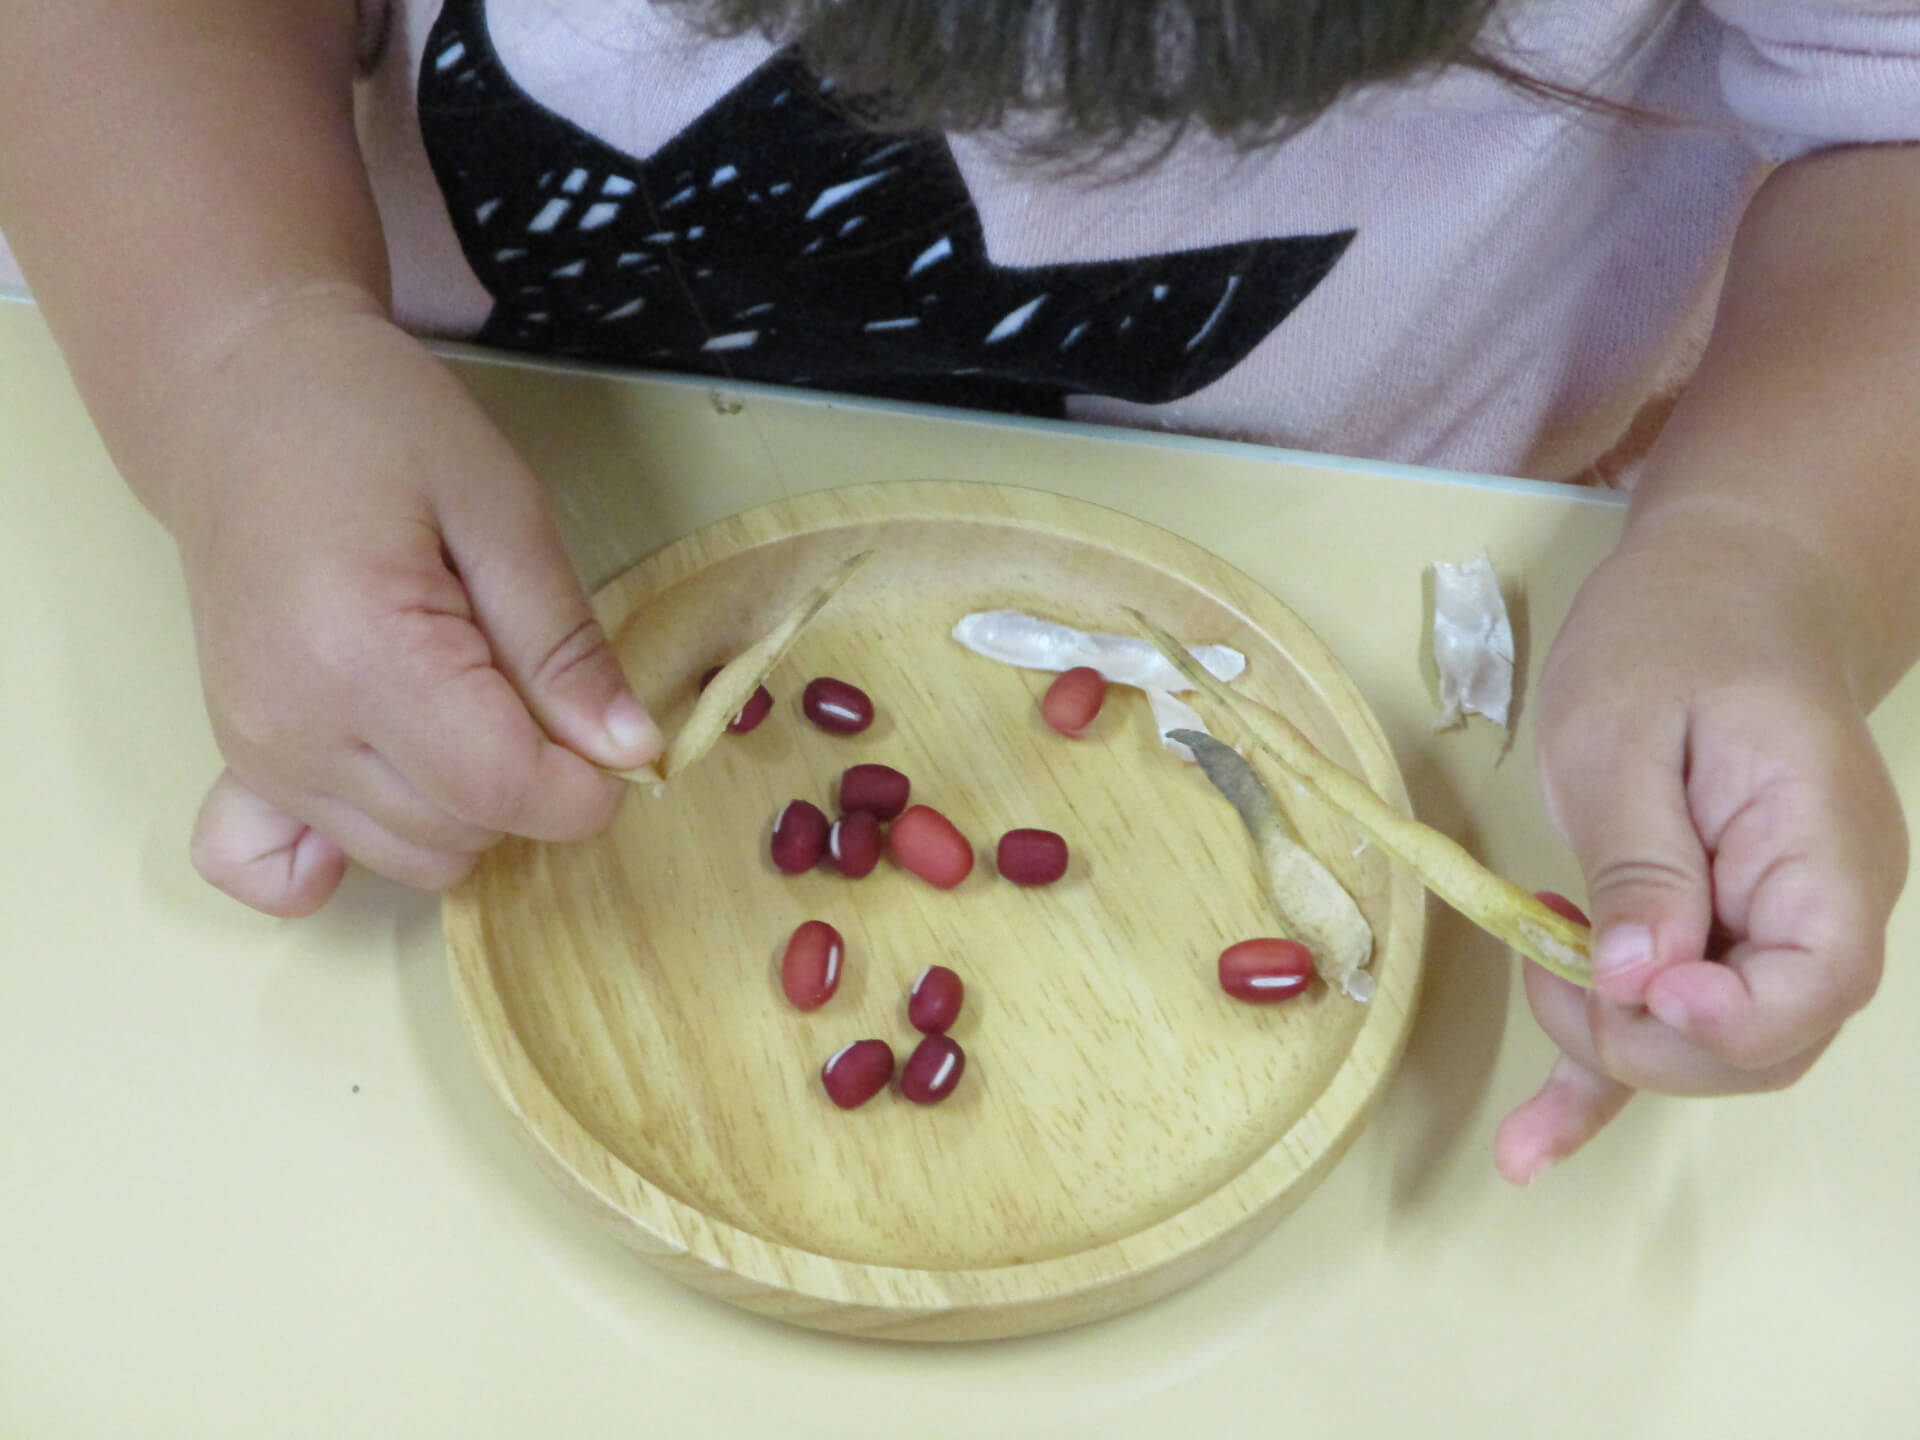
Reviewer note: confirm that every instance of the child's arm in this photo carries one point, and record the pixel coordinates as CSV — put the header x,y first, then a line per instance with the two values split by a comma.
x,y
173,174
388,629
1702,716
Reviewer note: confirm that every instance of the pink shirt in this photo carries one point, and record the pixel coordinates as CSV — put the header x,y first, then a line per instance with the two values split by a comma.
x,y
1451,274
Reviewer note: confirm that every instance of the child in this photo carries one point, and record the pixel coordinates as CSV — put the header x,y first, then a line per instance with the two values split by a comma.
x,y
1429,230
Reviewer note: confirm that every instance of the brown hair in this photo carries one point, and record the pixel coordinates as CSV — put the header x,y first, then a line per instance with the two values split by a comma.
x,y
1106,70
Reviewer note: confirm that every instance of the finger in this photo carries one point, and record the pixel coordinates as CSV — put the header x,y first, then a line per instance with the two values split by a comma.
x,y
455,729
1561,1009
1623,807
371,784
476,752
1812,922
1573,1106
1639,1050
530,605
262,856
380,850
1765,1005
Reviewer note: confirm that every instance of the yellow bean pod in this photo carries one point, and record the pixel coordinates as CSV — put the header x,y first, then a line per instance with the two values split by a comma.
x,y
1497,906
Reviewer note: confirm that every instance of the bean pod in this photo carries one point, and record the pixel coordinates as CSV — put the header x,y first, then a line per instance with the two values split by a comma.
x,y
758,705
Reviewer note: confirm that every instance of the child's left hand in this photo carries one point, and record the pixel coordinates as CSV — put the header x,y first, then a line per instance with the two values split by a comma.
x,y
1703,753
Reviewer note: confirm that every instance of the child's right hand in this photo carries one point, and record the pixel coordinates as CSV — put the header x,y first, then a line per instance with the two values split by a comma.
x,y
399,663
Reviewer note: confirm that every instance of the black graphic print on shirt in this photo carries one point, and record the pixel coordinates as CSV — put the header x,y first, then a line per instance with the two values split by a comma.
x,y
776,239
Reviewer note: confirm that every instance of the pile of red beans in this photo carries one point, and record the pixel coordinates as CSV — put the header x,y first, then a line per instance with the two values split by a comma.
x,y
875,818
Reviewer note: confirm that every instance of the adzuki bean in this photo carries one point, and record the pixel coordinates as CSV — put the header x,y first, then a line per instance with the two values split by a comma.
x,y
810,968
933,1004
1265,971
1562,906
837,706
1072,702
933,1070
751,714
799,837
1031,857
855,1073
854,843
879,788
931,846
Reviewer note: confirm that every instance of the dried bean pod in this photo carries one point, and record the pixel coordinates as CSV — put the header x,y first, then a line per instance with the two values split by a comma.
x,y
1312,902
1496,905
751,714
733,687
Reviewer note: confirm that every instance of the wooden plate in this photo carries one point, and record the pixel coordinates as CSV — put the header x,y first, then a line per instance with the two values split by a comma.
x,y
1123,1126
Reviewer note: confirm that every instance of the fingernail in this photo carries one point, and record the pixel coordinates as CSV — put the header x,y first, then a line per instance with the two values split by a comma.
x,y
1621,951
630,727
1540,1167
1668,1010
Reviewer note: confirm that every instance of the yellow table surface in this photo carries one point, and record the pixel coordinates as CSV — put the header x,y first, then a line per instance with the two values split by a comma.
x,y
252,1182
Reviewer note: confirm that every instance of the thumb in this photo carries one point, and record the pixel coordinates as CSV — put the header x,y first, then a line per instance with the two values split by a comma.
x,y
537,618
1649,882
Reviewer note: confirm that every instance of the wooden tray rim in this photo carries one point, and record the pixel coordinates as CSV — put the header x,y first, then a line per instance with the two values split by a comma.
x,y
777,1278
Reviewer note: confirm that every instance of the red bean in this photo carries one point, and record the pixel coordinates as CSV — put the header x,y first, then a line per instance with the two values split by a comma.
x,y
1265,971
837,706
931,846
933,1070
1562,906
934,1002
855,1073
1032,857
799,837
1073,700
879,788
752,713
810,968
854,843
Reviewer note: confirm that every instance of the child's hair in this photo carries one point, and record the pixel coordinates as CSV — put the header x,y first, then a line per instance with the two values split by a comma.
x,y
1106,70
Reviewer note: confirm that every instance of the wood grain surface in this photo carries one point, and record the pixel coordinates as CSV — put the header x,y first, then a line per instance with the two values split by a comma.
x,y
1123,1126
